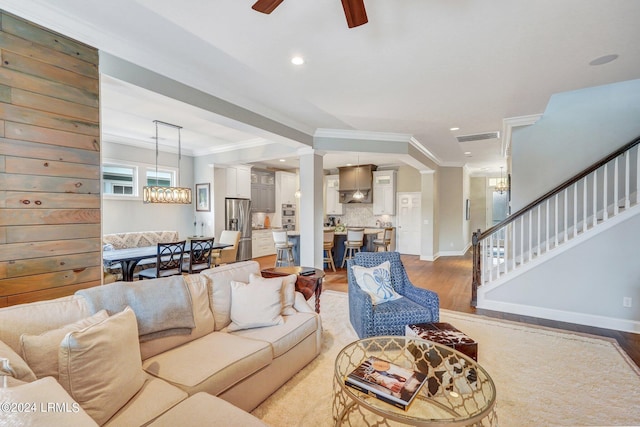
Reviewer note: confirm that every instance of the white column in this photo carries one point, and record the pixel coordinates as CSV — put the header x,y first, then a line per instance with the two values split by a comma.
x,y
311,208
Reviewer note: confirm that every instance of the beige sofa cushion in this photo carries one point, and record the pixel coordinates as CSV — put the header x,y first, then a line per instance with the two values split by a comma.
x,y
19,368
41,393
100,366
41,351
255,305
204,410
284,337
198,286
154,399
212,363
288,290
37,317
220,288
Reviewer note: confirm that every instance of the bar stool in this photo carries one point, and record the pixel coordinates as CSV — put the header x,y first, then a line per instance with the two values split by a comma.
x,y
284,248
385,242
355,240
327,248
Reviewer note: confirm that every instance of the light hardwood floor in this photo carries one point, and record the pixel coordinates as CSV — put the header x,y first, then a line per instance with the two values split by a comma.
x,y
450,278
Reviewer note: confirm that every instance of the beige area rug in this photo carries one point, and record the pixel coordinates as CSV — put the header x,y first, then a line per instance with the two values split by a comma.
x,y
543,377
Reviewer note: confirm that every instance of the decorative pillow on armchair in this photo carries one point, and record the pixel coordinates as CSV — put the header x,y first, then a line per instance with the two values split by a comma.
x,y
376,281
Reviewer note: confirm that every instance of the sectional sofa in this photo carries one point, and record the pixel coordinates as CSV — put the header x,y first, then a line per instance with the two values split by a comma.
x,y
185,350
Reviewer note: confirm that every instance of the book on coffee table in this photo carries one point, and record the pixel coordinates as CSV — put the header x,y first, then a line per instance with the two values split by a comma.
x,y
387,381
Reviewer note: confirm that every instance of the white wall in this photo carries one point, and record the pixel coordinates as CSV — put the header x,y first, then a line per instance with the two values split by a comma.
x,y
577,129
584,285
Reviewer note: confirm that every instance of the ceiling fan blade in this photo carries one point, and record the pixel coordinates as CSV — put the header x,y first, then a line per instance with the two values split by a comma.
x,y
355,12
266,6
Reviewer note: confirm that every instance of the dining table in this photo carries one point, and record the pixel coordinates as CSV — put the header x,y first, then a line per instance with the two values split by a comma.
x,y
129,258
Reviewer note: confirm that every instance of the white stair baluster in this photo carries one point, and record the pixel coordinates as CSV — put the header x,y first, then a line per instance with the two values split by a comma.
x,y
595,197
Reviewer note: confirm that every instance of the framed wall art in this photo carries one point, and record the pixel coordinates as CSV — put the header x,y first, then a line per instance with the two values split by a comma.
x,y
203,197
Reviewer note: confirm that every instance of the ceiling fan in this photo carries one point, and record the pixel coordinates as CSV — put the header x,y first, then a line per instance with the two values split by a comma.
x,y
354,10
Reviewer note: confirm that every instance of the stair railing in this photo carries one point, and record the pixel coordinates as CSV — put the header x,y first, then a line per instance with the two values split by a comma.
x,y
579,204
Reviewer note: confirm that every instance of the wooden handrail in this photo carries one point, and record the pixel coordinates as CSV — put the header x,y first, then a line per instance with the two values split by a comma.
x,y
559,188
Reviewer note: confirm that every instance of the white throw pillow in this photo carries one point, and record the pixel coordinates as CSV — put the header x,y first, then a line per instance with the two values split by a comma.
x,y
288,291
41,351
255,305
376,281
100,366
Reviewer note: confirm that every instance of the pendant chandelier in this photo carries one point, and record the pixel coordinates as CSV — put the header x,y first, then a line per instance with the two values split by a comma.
x,y
358,195
501,186
170,195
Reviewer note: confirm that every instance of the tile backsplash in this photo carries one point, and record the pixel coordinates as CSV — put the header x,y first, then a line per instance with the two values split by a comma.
x,y
362,214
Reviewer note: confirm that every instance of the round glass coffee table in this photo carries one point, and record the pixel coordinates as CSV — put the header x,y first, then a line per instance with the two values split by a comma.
x,y
456,391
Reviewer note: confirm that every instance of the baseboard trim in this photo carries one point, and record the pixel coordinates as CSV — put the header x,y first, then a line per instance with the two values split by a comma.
x,y
587,319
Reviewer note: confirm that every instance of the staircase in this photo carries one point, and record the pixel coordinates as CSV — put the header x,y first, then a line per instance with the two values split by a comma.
x,y
594,199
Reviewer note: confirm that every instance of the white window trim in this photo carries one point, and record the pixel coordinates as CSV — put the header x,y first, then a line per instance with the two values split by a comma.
x,y
139,180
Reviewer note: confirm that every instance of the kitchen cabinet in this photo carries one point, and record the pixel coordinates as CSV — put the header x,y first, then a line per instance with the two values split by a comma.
x,y
384,192
238,181
263,191
286,187
262,243
332,195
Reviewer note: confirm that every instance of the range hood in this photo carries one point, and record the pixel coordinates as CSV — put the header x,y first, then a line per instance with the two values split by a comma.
x,y
354,178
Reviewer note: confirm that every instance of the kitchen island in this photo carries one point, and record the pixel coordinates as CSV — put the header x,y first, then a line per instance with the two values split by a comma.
x,y
370,234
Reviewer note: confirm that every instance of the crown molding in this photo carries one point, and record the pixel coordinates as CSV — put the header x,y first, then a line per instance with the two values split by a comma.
x,y
509,124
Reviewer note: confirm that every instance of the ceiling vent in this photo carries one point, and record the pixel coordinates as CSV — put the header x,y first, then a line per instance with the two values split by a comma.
x,y
478,137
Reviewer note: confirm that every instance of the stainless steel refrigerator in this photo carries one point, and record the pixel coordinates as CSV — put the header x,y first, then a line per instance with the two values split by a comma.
x,y
238,218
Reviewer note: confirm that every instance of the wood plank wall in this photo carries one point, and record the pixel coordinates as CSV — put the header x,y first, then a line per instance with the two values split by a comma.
x,y
50,231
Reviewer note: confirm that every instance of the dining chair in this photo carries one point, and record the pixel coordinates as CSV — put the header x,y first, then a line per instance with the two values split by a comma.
x,y
385,242
327,248
168,262
229,254
200,251
355,240
284,248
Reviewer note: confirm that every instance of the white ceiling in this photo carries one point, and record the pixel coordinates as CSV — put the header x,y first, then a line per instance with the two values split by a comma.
x,y
419,67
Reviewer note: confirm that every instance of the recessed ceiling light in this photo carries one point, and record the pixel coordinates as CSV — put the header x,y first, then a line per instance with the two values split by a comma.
x,y
297,60
282,160
452,129
349,164
604,59
467,153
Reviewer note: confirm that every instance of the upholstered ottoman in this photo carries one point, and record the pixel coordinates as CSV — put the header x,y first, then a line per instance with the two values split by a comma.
x,y
446,334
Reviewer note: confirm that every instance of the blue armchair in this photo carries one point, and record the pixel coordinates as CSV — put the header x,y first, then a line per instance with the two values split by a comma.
x,y
389,318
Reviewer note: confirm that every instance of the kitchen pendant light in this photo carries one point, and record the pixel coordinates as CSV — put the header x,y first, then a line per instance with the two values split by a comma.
x,y
161,194
358,195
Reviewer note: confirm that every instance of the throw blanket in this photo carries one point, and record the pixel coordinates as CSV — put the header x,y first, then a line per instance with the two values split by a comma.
x,y
162,307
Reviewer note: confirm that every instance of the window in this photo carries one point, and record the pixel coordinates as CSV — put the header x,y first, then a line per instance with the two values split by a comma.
x,y
124,180
119,179
163,178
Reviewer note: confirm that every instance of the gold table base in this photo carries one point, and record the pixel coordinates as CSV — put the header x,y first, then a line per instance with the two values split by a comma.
x,y
458,391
